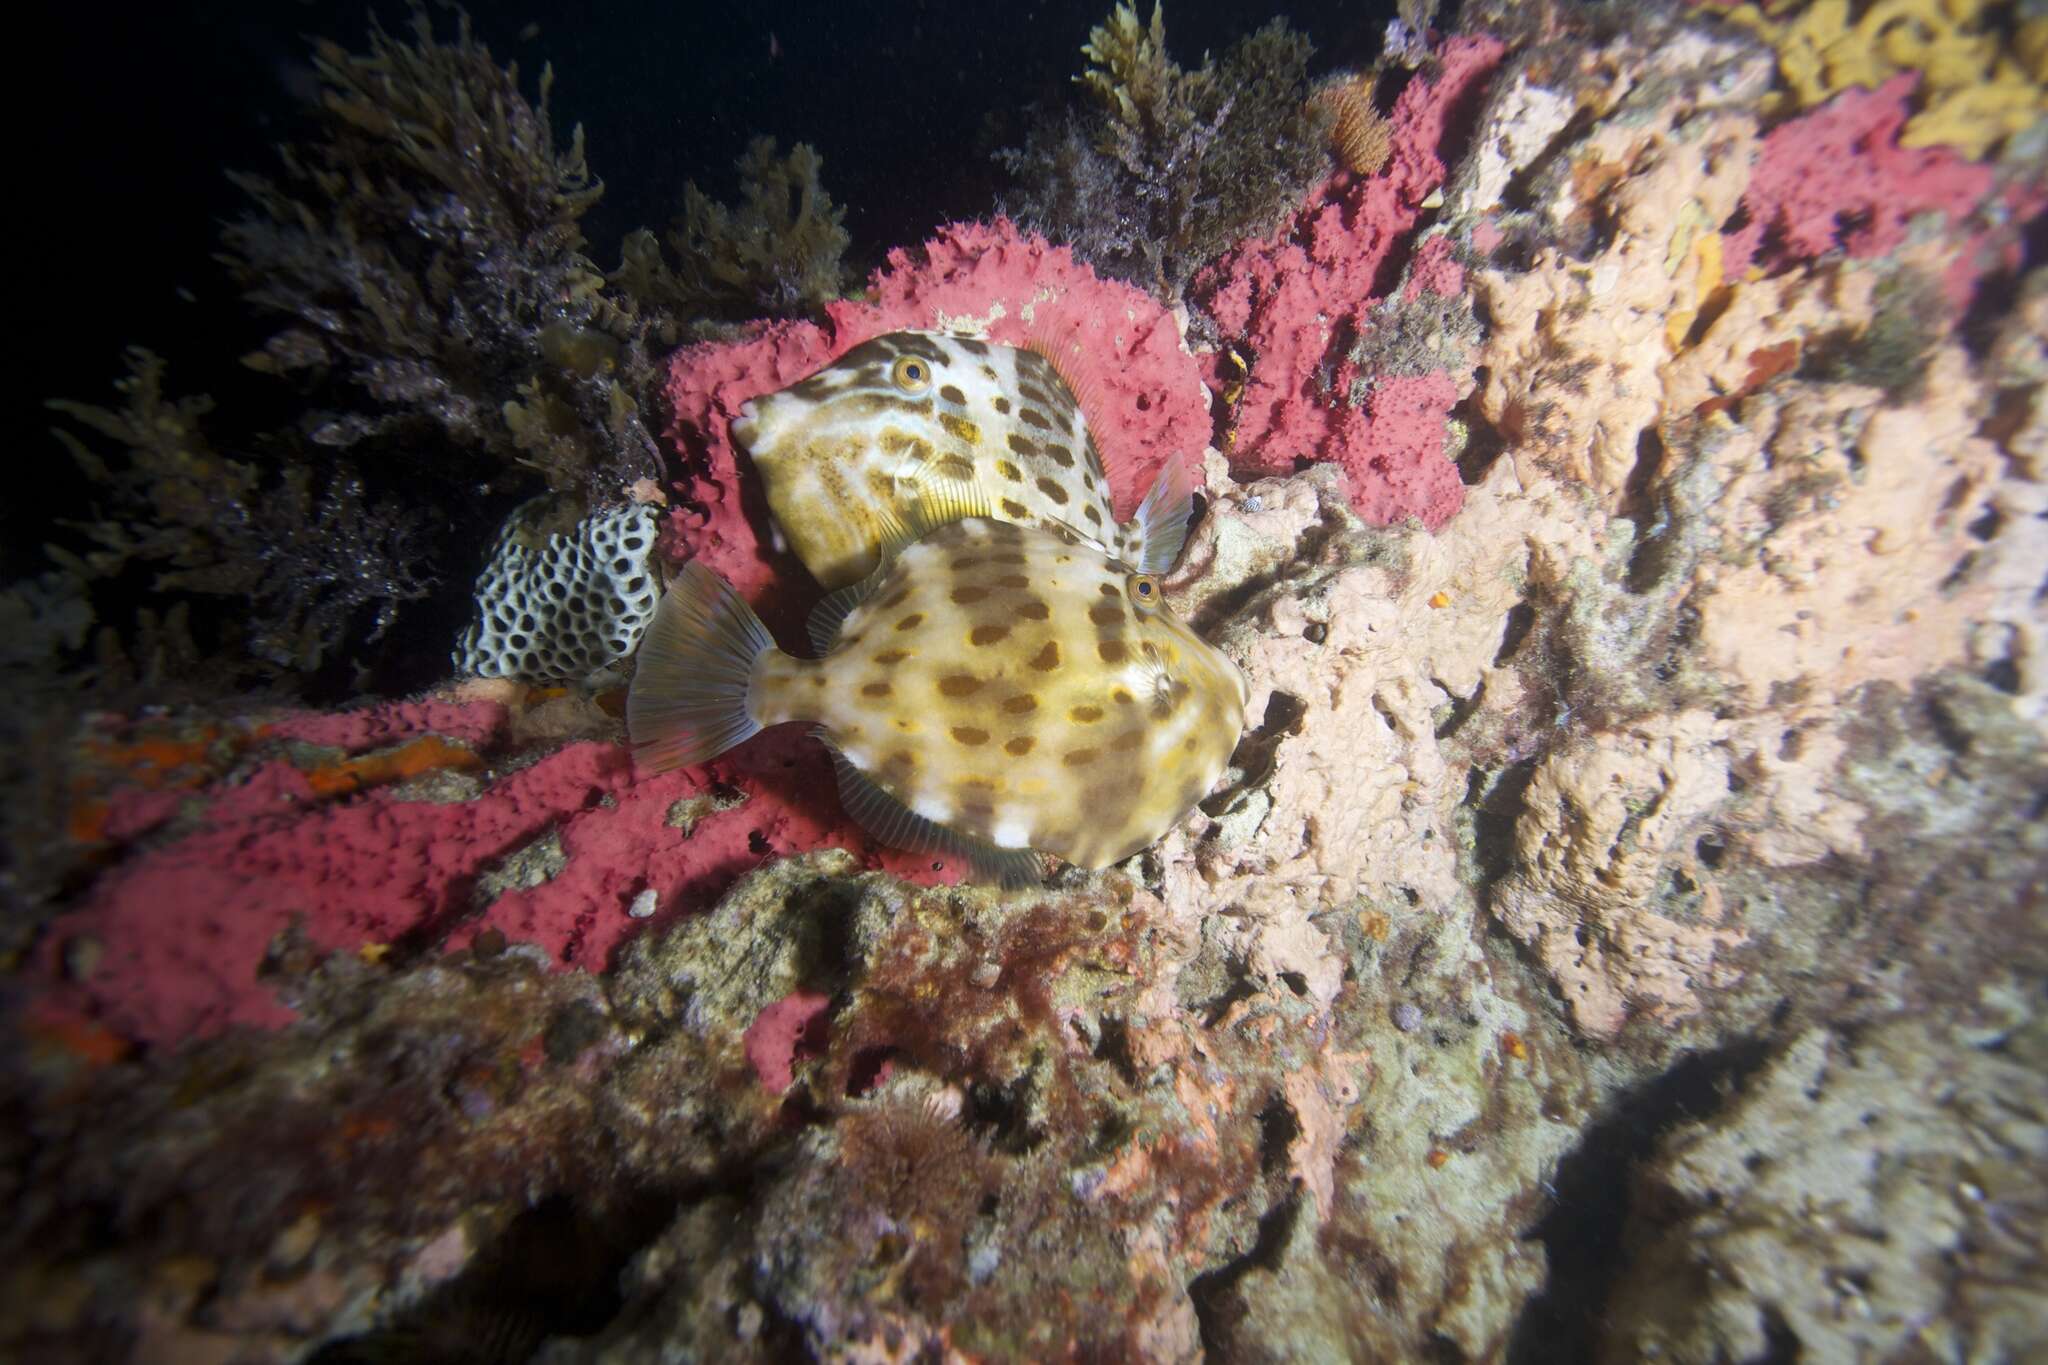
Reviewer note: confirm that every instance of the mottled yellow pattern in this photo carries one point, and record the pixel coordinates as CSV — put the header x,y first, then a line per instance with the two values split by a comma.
x,y
848,454
1018,687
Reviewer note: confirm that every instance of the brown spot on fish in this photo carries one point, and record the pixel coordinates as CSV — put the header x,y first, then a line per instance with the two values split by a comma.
x,y
1014,580
1122,697
1106,614
1053,491
967,595
911,622
1080,758
1023,445
1001,404
1019,746
988,635
882,402
959,685
970,345
1111,651
1094,517
1061,456
1012,508
896,598
910,343
1129,740
1032,417
965,561
952,395
969,735
1023,704
892,656
1009,471
960,428
1085,715
876,689
1047,659
956,466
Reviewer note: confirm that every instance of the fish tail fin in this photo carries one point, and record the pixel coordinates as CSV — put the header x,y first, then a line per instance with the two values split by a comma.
x,y
690,695
1163,517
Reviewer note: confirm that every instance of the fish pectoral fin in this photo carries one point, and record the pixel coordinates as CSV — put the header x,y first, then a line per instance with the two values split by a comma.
x,y
832,610
929,500
1163,517
895,824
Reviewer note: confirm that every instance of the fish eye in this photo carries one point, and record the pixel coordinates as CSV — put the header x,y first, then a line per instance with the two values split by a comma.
x,y
1143,589
910,374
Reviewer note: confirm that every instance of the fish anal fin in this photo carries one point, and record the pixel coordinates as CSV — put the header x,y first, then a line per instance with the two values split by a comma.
x,y
895,824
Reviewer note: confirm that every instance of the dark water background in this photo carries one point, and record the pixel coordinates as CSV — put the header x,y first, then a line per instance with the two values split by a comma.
x,y
140,109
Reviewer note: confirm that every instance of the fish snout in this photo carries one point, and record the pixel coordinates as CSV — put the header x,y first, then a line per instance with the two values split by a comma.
x,y
746,425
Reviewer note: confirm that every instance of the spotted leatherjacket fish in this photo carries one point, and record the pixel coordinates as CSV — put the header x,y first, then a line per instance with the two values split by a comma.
x,y
992,690
923,427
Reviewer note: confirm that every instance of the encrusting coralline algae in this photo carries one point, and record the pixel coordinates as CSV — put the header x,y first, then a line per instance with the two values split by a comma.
x,y
1651,803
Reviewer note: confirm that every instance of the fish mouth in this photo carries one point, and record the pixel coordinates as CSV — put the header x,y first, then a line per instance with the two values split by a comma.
x,y
746,425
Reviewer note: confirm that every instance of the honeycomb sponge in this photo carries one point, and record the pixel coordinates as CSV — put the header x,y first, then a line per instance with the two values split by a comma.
x,y
555,607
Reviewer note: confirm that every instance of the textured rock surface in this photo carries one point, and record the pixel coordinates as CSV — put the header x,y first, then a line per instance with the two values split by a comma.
x,y
1869,1196
1619,932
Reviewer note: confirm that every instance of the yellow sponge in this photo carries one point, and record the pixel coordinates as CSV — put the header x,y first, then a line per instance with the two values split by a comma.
x,y
1975,91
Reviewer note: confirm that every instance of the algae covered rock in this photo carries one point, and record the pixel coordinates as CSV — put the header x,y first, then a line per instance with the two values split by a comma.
x,y
1865,1195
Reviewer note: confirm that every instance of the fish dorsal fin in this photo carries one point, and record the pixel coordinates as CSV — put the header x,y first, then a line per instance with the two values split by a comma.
x,y
895,824
934,500
1061,349
1163,517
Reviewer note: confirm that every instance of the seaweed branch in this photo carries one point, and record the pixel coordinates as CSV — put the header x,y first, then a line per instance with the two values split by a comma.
x,y
1163,168
777,253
